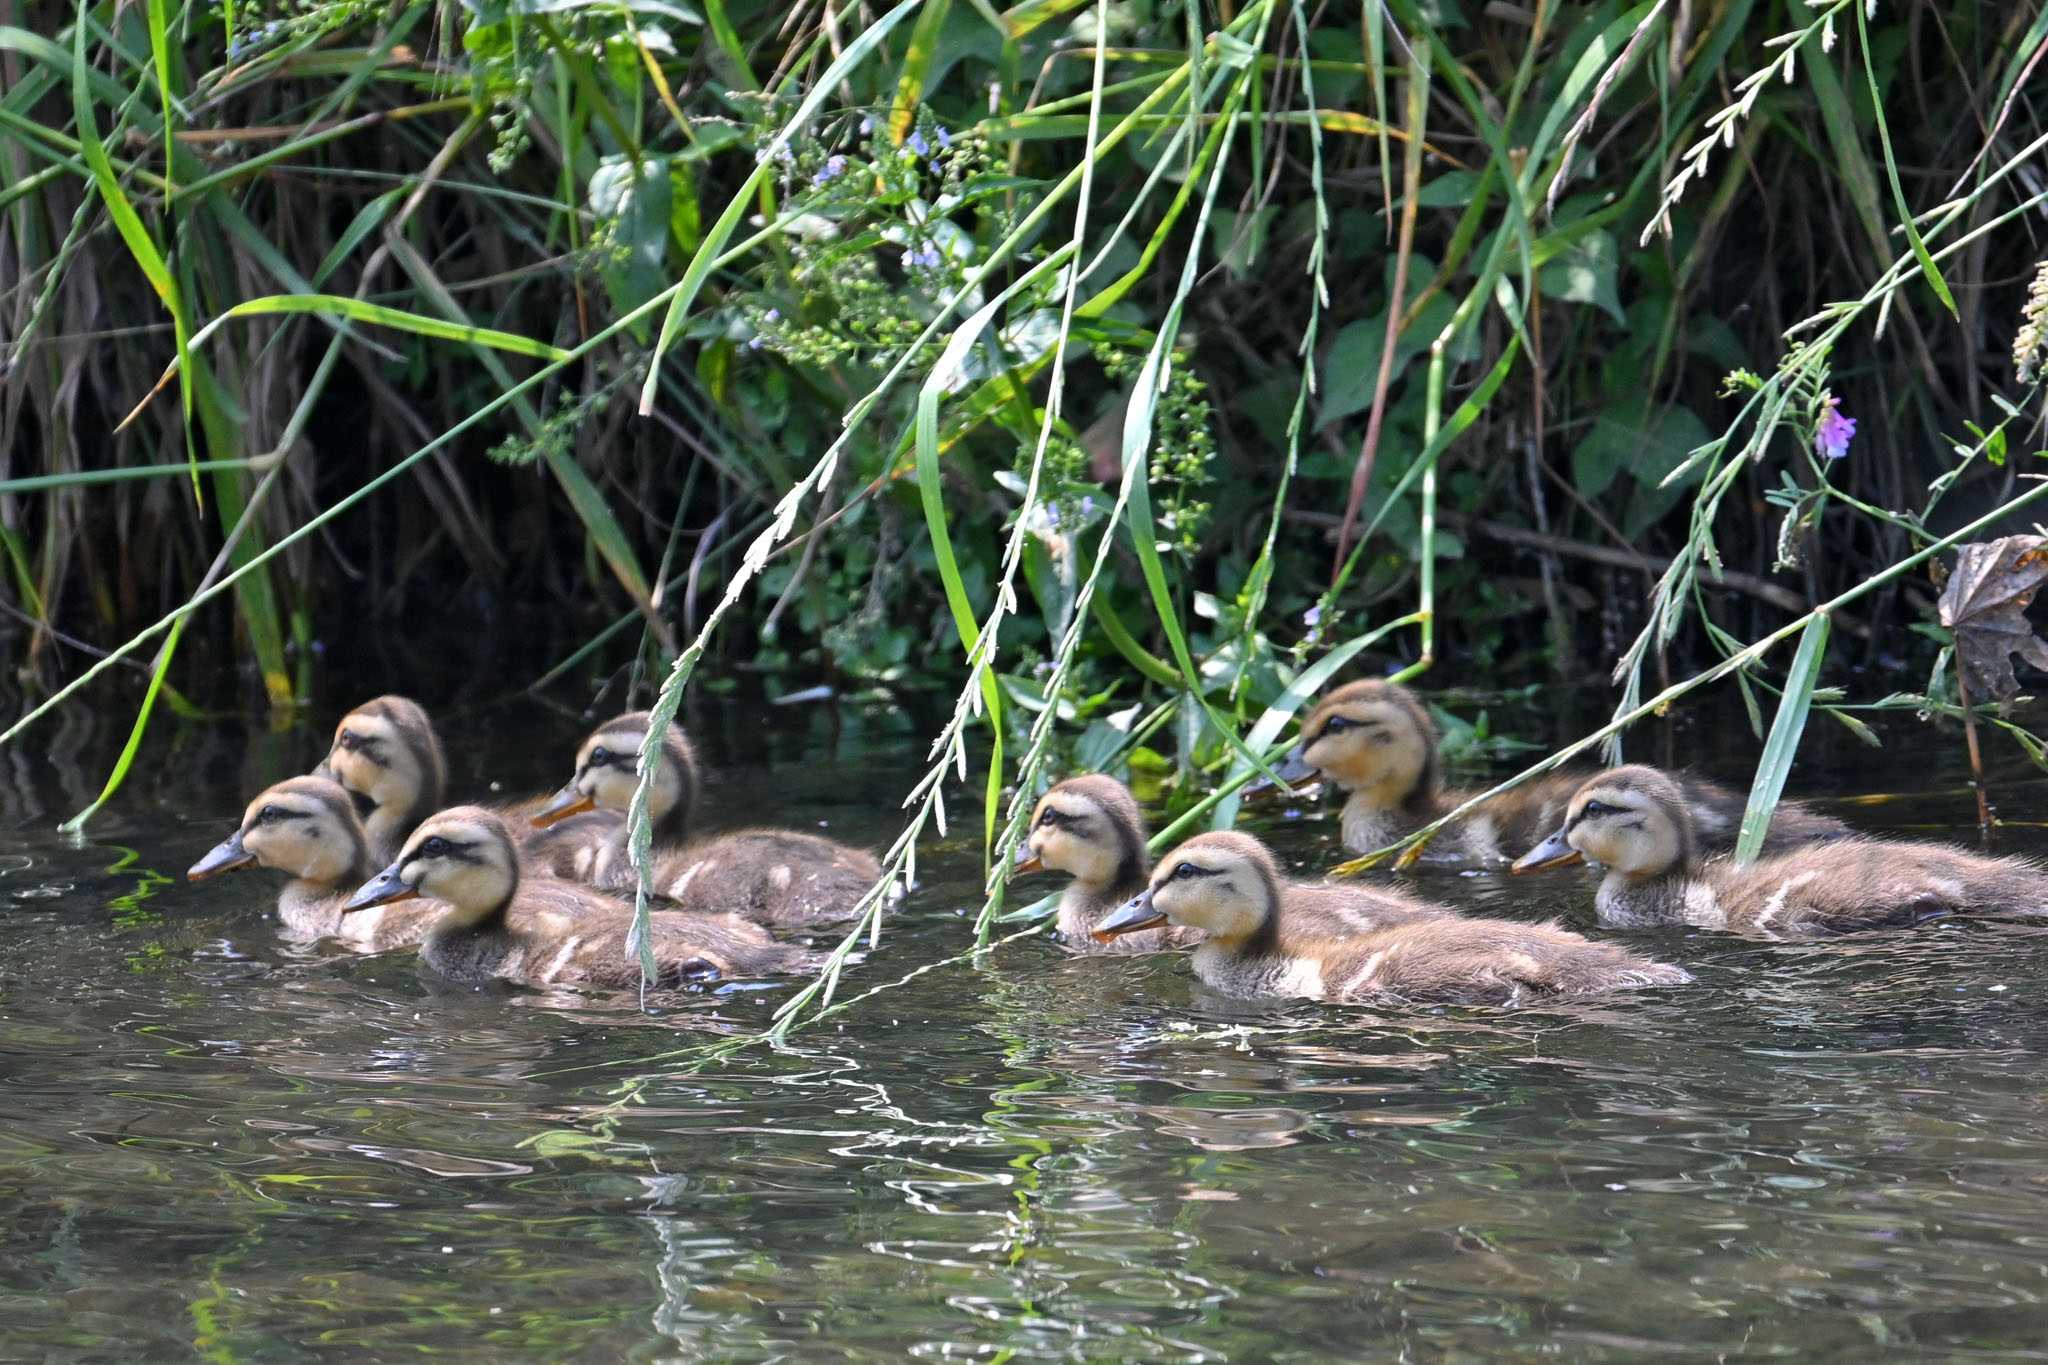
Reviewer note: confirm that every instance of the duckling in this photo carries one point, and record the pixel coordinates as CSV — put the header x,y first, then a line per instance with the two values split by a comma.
x,y
781,877
1378,741
1257,945
1638,824
388,757
505,924
1091,826
307,826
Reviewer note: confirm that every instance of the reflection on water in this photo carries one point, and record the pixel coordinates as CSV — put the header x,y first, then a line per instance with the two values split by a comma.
x,y
213,1141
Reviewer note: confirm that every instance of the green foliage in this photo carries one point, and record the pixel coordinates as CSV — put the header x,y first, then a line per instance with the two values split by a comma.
x,y
970,349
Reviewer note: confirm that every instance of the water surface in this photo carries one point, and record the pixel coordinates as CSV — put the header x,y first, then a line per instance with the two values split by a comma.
x,y
213,1142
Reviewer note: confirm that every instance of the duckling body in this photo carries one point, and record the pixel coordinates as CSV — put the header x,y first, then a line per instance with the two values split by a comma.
x,y
1378,742
307,826
1635,822
781,877
1091,827
1257,944
388,757
504,924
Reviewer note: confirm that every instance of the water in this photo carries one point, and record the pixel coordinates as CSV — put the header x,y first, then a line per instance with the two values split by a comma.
x,y
214,1143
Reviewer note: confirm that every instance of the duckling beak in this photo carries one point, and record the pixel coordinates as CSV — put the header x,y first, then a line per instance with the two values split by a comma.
x,y
226,856
1026,862
1134,914
1293,768
568,801
1552,852
383,889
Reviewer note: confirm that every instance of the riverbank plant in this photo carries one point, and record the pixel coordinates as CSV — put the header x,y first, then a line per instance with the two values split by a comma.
x,y
1127,371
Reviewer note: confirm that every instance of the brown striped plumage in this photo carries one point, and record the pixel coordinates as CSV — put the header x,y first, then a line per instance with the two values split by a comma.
x,y
389,758
1259,943
1378,742
307,826
1635,821
503,923
783,877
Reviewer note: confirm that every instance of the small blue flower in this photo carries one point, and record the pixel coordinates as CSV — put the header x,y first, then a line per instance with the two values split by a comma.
x,y
945,139
1052,516
867,125
772,315
925,257
833,168
917,144
1087,505
1313,616
756,343
1831,436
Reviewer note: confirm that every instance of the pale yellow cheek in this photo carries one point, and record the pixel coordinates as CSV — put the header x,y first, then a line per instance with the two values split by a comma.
x,y
612,789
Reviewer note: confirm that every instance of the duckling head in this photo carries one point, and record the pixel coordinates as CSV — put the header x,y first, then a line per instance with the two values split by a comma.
x,y
306,826
386,755
1372,737
1226,884
463,856
607,773
1632,820
1090,827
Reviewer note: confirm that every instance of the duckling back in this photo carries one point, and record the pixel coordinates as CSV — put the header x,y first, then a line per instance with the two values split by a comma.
x,y
1858,884
779,877
559,933
1480,961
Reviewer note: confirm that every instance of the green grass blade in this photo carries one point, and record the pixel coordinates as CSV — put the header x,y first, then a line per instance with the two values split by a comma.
x,y
135,734
917,64
359,310
1783,744
129,223
1928,269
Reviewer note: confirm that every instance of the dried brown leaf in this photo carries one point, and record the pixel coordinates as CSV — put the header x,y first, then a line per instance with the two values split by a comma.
x,y
1985,603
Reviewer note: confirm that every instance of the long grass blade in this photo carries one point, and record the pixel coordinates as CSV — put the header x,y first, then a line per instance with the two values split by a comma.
x,y
1782,745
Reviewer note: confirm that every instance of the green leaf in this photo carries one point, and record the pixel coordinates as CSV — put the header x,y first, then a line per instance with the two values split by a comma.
x,y
1585,272
637,202
1783,744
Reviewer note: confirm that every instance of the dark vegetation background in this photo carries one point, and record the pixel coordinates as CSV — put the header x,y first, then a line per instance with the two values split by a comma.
x,y
539,167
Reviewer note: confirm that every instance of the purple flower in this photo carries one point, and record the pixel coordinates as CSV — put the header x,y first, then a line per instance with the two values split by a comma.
x,y
867,125
945,139
1087,505
1313,616
772,315
1832,435
834,167
756,343
926,257
917,144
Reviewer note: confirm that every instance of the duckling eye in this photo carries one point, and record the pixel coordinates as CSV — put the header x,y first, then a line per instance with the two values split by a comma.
x,y
1600,808
349,740
436,847
600,756
1336,725
1186,871
268,815
1051,819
